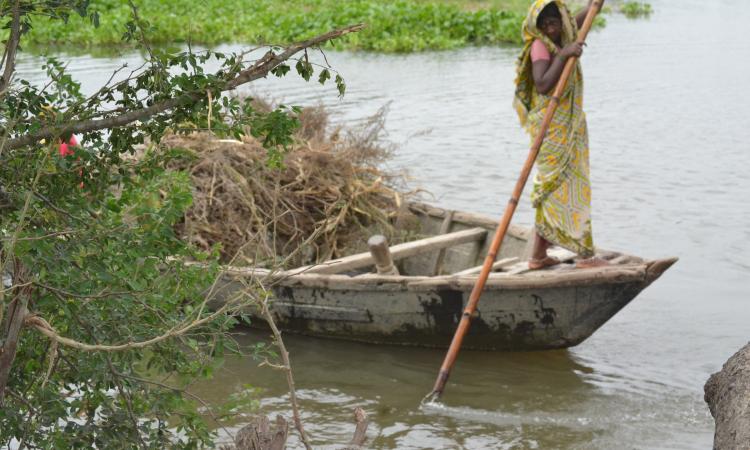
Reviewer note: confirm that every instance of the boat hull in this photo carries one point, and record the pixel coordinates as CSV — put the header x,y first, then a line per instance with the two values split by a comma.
x,y
534,319
514,314
519,309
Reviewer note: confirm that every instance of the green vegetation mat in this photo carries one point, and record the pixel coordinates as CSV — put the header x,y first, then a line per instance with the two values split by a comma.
x,y
635,9
392,25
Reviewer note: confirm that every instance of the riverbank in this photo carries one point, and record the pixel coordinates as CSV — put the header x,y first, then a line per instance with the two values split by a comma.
x,y
392,25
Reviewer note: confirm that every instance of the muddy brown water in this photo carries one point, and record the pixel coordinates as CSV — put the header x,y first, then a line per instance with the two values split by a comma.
x,y
667,104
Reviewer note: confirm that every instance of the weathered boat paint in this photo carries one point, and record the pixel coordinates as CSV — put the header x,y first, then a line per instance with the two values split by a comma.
x,y
537,310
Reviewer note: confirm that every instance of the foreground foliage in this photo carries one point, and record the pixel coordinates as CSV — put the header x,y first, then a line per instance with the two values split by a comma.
x,y
102,324
108,277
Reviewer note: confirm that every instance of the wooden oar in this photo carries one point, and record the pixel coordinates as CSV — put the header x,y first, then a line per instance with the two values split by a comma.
x,y
471,306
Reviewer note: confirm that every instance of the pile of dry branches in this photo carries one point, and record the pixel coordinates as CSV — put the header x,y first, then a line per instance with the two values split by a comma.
x,y
329,195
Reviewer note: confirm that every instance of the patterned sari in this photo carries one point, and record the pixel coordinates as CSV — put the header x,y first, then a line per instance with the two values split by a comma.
x,y
562,192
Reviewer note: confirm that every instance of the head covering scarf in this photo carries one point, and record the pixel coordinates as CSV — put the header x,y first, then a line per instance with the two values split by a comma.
x,y
562,192
525,88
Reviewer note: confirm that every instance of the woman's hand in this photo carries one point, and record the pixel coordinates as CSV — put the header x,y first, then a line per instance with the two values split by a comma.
x,y
572,49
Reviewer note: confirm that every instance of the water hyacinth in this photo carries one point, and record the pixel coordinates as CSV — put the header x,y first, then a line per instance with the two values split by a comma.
x,y
636,9
392,25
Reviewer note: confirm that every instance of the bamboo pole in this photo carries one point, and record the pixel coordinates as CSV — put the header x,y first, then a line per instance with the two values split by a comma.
x,y
471,306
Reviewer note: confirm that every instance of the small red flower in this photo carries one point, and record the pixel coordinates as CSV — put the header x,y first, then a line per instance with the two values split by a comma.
x,y
65,149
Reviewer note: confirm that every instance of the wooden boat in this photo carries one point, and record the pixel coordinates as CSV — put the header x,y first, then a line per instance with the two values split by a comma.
x,y
520,309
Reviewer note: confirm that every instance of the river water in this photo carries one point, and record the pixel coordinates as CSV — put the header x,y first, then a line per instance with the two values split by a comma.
x,y
666,99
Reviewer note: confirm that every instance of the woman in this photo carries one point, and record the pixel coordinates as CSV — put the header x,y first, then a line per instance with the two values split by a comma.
x,y
561,193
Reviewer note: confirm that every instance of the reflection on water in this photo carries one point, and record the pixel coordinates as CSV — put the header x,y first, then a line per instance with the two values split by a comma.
x,y
669,134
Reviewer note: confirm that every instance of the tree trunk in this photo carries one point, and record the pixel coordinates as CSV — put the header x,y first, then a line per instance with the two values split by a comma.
x,y
15,314
728,397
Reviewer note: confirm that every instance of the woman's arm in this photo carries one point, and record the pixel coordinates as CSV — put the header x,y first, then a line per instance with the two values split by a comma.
x,y
546,73
581,16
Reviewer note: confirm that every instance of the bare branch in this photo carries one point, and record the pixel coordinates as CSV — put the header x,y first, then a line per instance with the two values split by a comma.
x,y
144,39
44,236
103,294
260,69
287,367
46,329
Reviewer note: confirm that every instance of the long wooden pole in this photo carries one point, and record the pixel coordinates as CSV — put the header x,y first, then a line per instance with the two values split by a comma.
x,y
471,306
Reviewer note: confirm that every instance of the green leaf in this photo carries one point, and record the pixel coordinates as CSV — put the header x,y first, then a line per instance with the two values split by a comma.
x,y
280,70
304,69
324,76
340,85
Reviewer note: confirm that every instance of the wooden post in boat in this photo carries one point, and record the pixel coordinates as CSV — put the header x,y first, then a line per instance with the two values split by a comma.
x,y
446,225
382,255
471,306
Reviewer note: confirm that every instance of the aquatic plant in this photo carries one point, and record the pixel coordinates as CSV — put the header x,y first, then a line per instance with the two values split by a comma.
x,y
633,9
392,25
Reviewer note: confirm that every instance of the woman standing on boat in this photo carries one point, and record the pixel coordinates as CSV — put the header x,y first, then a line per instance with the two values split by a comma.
x,y
562,192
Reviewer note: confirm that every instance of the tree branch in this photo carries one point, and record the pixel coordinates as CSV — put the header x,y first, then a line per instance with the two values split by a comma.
x,y
260,69
11,48
46,329
128,402
17,314
56,208
287,367
102,294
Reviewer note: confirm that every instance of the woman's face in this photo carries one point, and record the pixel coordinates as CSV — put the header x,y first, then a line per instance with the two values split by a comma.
x,y
552,27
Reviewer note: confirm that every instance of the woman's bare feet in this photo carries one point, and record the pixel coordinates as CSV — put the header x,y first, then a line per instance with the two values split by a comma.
x,y
539,258
548,261
589,263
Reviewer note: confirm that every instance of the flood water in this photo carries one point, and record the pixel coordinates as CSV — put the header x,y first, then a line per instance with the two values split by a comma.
x,y
666,99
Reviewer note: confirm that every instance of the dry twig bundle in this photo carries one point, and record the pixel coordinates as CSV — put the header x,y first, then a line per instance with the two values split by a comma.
x,y
330,191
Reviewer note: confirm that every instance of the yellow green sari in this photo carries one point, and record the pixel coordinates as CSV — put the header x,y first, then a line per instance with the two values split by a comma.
x,y
562,192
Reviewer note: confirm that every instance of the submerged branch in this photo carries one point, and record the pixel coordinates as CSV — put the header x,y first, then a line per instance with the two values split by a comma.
x,y
287,367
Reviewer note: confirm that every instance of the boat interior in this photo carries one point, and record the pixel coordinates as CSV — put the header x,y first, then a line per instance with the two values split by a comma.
x,y
450,243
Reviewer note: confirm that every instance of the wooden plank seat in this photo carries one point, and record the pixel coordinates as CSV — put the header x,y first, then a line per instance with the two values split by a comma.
x,y
400,251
